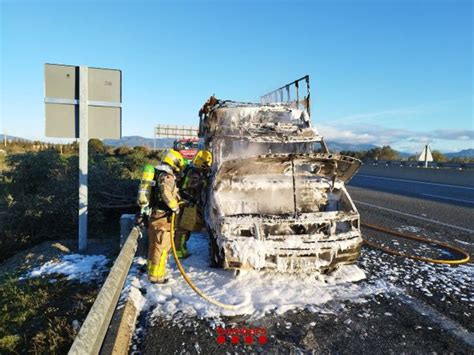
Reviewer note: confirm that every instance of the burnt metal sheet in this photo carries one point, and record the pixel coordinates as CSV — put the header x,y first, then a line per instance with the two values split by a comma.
x,y
282,184
316,164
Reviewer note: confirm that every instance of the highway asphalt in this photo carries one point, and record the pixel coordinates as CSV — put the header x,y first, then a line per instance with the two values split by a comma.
x,y
448,193
434,214
428,310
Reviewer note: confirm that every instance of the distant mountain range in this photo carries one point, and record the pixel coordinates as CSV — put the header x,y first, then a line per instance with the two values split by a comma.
x,y
354,147
466,153
12,138
336,146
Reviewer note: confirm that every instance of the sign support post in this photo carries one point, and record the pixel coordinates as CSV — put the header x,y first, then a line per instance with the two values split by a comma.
x,y
83,154
83,102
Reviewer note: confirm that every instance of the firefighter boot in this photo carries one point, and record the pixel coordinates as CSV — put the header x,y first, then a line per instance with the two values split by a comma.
x,y
180,243
157,272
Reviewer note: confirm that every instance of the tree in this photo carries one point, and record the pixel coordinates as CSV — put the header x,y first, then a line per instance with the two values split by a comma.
x,y
122,150
39,200
387,153
438,156
97,147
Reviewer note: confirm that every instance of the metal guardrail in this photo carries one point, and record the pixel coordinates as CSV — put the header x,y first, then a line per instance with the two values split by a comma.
x,y
420,164
92,333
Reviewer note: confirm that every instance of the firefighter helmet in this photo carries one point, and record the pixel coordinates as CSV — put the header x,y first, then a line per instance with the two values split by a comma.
x,y
203,159
174,159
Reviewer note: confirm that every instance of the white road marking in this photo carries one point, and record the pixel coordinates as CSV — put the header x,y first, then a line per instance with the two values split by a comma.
x,y
439,319
415,216
449,198
416,182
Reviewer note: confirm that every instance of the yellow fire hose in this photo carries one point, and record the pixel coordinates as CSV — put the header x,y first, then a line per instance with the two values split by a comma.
x,y
188,280
449,247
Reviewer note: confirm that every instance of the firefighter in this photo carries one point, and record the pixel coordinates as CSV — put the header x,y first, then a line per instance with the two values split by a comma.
x,y
193,185
158,197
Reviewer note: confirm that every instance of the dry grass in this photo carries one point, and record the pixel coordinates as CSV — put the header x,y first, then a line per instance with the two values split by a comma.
x,y
37,314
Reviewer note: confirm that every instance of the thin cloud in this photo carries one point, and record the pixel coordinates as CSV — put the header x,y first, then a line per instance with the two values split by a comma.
x,y
369,116
453,134
345,136
378,135
397,113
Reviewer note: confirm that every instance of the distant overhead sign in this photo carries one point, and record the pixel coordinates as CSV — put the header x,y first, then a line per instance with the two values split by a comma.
x,y
175,131
104,101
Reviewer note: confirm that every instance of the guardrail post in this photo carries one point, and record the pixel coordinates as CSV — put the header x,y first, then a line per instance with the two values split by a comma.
x,y
126,226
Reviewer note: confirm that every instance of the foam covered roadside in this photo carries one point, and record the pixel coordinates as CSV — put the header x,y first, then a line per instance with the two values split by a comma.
x,y
264,292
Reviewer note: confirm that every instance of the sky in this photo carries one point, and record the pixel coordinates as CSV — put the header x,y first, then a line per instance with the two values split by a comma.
x,y
394,72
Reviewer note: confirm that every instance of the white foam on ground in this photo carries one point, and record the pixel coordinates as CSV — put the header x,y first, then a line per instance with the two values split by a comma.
x,y
450,282
258,292
131,289
411,229
462,242
84,268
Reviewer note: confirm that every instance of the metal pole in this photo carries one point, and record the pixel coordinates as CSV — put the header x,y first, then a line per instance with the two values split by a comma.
x,y
308,98
83,155
154,138
426,155
297,96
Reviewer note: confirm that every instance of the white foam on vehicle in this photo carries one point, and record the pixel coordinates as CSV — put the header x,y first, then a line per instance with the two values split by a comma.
x,y
258,292
84,268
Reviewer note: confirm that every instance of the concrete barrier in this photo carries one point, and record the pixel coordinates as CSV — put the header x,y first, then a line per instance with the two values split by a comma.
x,y
435,175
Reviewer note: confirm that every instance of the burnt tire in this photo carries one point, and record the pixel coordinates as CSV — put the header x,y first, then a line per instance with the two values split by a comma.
x,y
215,254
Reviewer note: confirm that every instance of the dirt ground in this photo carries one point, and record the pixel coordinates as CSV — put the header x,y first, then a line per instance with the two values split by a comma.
x,y
53,250
43,314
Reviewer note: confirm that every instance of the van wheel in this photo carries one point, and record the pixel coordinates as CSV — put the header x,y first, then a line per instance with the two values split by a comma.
x,y
216,255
